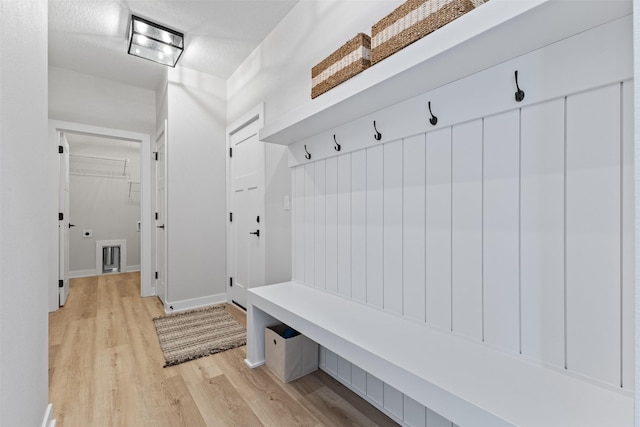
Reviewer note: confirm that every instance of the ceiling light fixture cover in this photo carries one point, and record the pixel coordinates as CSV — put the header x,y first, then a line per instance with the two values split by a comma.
x,y
155,42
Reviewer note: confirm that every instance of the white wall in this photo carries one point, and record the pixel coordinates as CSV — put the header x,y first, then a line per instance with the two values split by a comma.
x,y
518,308
636,168
277,184
162,109
510,224
104,205
278,72
25,212
82,98
196,186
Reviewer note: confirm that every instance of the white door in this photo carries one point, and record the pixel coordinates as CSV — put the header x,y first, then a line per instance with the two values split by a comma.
x,y
247,231
161,215
63,220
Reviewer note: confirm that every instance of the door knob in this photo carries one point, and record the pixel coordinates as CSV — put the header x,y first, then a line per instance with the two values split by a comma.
x,y
257,232
71,225
160,226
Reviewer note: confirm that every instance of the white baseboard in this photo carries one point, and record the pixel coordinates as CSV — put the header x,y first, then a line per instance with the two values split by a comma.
x,y
82,273
189,304
132,268
253,365
48,420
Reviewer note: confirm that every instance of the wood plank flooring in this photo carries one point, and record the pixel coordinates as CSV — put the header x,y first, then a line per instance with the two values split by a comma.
x,y
105,369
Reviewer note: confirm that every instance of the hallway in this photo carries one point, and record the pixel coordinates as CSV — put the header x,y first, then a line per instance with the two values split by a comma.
x,y
105,369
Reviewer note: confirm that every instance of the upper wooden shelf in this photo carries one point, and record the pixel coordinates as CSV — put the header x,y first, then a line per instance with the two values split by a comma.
x,y
491,34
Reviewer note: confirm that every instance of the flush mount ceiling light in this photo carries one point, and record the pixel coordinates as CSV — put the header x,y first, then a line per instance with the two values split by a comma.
x,y
155,42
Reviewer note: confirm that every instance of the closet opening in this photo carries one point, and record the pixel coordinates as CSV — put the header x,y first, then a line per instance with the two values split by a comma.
x,y
104,202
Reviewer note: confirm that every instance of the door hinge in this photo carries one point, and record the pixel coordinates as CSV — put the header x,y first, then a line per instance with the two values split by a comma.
x,y
60,216
230,281
156,274
156,216
230,151
61,283
230,216
155,154
60,149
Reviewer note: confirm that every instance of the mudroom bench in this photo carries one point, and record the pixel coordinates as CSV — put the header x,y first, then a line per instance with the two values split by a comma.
x,y
467,382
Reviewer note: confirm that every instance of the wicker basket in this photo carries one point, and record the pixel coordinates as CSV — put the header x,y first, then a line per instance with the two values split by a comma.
x,y
352,58
413,20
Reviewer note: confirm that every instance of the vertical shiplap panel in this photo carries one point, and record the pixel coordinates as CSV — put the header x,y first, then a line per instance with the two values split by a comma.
x,y
298,206
593,234
501,230
436,420
294,274
322,356
320,251
438,228
414,228
309,223
467,229
359,379
359,225
331,362
344,370
393,401
344,225
542,232
628,238
375,389
393,227
331,202
375,235
415,414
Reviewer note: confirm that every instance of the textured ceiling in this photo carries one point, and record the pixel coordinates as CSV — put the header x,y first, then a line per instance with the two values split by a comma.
x,y
90,36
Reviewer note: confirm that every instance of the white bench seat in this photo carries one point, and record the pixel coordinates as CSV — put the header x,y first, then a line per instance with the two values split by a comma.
x,y
466,382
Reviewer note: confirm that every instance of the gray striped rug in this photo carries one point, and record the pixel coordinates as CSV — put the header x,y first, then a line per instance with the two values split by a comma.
x,y
197,333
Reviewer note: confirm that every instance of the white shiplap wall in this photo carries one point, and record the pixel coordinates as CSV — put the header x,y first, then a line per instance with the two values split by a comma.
x,y
510,224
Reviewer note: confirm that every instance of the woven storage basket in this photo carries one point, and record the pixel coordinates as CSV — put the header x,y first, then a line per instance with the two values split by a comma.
x,y
352,58
413,20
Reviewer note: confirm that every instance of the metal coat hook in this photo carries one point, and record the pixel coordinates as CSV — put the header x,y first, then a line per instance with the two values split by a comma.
x,y
520,93
308,155
378,135
433,120
337,147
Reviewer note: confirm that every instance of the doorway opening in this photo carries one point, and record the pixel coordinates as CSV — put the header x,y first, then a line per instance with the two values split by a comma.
x,y
118,180
104,205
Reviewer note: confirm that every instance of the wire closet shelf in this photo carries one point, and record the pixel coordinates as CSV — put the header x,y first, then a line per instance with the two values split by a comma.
x,y
102,167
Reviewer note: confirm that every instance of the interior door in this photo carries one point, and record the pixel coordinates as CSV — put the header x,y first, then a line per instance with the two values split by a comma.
x,y
247,231
63,220
161,215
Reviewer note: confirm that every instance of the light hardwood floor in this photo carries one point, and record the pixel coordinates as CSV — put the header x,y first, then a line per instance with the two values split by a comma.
x,y
105,369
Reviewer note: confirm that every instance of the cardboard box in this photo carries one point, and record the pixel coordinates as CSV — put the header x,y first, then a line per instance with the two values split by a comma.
x,y
289,354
